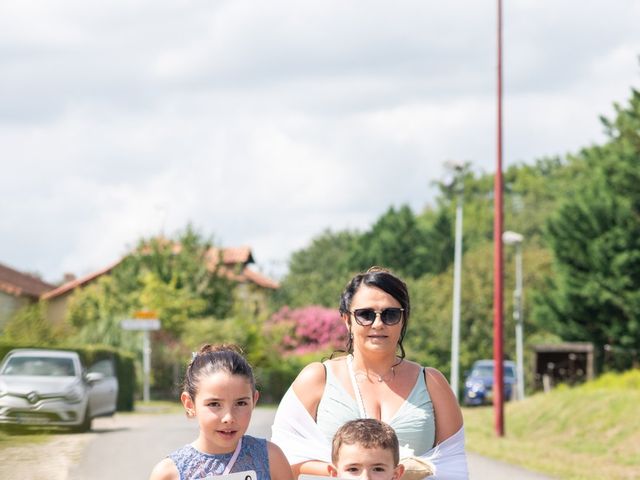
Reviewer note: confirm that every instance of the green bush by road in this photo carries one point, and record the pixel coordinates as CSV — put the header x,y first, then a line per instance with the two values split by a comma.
x,y
572,433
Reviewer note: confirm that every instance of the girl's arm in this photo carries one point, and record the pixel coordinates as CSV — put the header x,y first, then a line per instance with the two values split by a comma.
x,y
447,412
165,470
278,465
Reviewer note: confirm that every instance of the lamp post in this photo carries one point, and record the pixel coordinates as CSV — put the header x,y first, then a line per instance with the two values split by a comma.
x,y
458,187
513,238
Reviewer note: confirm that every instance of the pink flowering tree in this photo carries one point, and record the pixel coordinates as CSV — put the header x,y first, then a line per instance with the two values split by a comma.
x,y
308,329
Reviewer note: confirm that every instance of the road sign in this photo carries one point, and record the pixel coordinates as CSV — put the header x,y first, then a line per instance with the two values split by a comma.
x,y
140,324
148,314
144,322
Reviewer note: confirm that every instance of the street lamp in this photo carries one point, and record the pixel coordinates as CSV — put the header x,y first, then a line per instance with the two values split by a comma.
x,y
513,238
457,169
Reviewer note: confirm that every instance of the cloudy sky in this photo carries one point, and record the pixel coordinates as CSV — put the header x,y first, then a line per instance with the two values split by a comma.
x,y
264,123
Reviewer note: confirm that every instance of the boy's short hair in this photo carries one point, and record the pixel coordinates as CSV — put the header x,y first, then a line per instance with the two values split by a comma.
x,y
368,432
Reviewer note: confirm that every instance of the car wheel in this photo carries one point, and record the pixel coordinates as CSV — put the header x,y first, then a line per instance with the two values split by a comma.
x,y
85,425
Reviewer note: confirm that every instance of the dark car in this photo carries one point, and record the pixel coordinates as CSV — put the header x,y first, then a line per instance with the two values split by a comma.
x,y
478,386
51,388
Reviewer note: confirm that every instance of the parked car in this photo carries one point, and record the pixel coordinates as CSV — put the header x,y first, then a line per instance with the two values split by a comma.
x,y
51,388
478,386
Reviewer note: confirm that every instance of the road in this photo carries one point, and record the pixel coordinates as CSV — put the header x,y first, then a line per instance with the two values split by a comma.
x,y
128,446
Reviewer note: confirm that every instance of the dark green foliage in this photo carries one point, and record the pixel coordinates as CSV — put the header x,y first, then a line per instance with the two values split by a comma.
x,y
176,278
275,376
428,338
409,245
585,209
185,264
595,238
395,241
318,273
30,325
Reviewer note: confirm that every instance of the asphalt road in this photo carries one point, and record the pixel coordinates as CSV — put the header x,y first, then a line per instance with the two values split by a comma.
x,y
127,447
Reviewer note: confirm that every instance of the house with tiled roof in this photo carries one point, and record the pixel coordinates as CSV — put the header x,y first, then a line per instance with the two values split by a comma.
x,y
231,262
17,290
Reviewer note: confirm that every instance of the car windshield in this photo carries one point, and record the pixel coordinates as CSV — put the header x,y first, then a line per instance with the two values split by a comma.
x,y
483,371
39,366
486,371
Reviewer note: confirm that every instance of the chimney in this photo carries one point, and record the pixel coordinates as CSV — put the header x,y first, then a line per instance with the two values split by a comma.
x,y
68,277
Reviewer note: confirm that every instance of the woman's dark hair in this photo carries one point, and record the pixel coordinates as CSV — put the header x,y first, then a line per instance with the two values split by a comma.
x,y
214,358
386,281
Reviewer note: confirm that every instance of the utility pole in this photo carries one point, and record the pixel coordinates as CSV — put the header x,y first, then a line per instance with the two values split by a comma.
x,y
498,370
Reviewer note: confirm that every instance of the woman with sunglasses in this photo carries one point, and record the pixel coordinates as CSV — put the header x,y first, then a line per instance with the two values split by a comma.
x,y
373,380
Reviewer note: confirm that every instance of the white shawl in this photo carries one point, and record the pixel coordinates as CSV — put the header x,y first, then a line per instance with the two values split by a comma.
x,y
301,440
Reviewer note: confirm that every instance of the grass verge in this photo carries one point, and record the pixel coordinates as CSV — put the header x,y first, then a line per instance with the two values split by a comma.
x,y
569,433
10,437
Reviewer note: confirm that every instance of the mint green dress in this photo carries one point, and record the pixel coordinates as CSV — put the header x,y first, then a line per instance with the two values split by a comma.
x,y
413,423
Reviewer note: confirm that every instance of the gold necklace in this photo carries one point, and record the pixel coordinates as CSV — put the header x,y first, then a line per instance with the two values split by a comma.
x,y
387,377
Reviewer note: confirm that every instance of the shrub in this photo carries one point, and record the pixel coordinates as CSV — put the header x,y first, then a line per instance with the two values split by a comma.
x,y
307,330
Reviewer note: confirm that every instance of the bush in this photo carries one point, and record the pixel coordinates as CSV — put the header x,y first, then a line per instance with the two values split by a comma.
x,y
307,330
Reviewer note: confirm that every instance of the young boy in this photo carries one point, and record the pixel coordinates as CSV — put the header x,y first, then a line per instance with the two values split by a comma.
x,y
366,448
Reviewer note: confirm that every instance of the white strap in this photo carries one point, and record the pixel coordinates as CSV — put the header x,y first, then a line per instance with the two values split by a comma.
x,y
233,459
356,389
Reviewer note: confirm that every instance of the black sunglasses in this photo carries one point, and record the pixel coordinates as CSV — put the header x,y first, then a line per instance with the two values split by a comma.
x,y
366,316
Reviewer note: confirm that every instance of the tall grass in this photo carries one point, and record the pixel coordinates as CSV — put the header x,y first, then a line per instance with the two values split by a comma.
x,y
590,431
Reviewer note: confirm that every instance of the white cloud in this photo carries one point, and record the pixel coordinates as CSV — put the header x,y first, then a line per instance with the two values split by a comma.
x,y
266,123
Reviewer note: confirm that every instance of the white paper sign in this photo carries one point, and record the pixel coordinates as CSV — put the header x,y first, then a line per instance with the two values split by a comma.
x,y
304,476
248,475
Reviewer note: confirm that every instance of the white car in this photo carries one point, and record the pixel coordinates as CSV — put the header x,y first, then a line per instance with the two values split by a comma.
x,y
51,388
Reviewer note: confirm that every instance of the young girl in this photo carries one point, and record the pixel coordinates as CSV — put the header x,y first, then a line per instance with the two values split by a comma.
x,y
219,390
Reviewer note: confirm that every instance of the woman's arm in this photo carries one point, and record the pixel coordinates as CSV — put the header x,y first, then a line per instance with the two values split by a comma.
x,y
448,416
278,465
309,387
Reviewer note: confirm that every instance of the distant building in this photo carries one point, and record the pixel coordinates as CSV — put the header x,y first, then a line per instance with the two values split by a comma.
x,y
17,290
235,266
569,363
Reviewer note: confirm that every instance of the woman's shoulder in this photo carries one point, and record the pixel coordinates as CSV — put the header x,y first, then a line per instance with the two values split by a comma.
x,y
309,386
445,404
165,470
435,375
437,384
311,375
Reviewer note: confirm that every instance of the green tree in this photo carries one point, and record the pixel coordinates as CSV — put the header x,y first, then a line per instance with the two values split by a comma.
x,y
595,238
318,273
396,241
189,263
29,326
437,250
428,338
95,313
